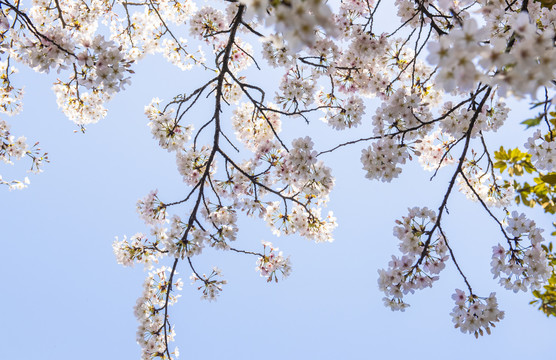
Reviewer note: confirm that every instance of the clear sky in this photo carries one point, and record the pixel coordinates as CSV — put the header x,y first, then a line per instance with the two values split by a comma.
x,y
64,296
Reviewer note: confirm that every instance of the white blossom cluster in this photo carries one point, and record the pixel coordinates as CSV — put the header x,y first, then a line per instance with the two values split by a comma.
x,y
97,67
223,219
192,164
168,233
302,171
231,91
456,123
14,149
146,32
296,20
52,52
150,310
381,159
465,57
239,58
401,112
296,90
433,150
238,186
83,108
10,96
11,147
523,266
165,129
137,249
350,11
346,115
210,285
151,210
543,154
310,225
275,52
254,128
206,22
64,38
485,186
424,256
269,264
473,314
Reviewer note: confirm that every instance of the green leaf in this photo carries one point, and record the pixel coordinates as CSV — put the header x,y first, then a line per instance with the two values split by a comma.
x,y
501,154
546,3
549,178
529,167
500,165
532,122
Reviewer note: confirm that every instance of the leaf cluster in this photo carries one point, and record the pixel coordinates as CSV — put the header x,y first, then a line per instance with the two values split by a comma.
x,y
542,192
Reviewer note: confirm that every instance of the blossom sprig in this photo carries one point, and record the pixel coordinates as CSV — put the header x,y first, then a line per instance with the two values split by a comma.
x,y
524,266
151,209
304,174
192,164
475,315
223,219
207,22
347,114
96,67
309,224
478,185
15,149
254,127
296,90
11,98
543,153
269,265
137,249
165,128
151,310
434,150
15,184
424,256
210,285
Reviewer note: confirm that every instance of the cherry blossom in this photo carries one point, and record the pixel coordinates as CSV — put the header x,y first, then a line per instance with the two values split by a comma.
x,y
431,90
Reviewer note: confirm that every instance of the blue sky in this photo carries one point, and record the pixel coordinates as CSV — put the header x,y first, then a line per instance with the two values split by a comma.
x,y
64,296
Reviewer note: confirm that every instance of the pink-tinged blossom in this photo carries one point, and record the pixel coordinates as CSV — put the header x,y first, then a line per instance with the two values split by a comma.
x,y
151,209
424,256
269,265
524,266
475,315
